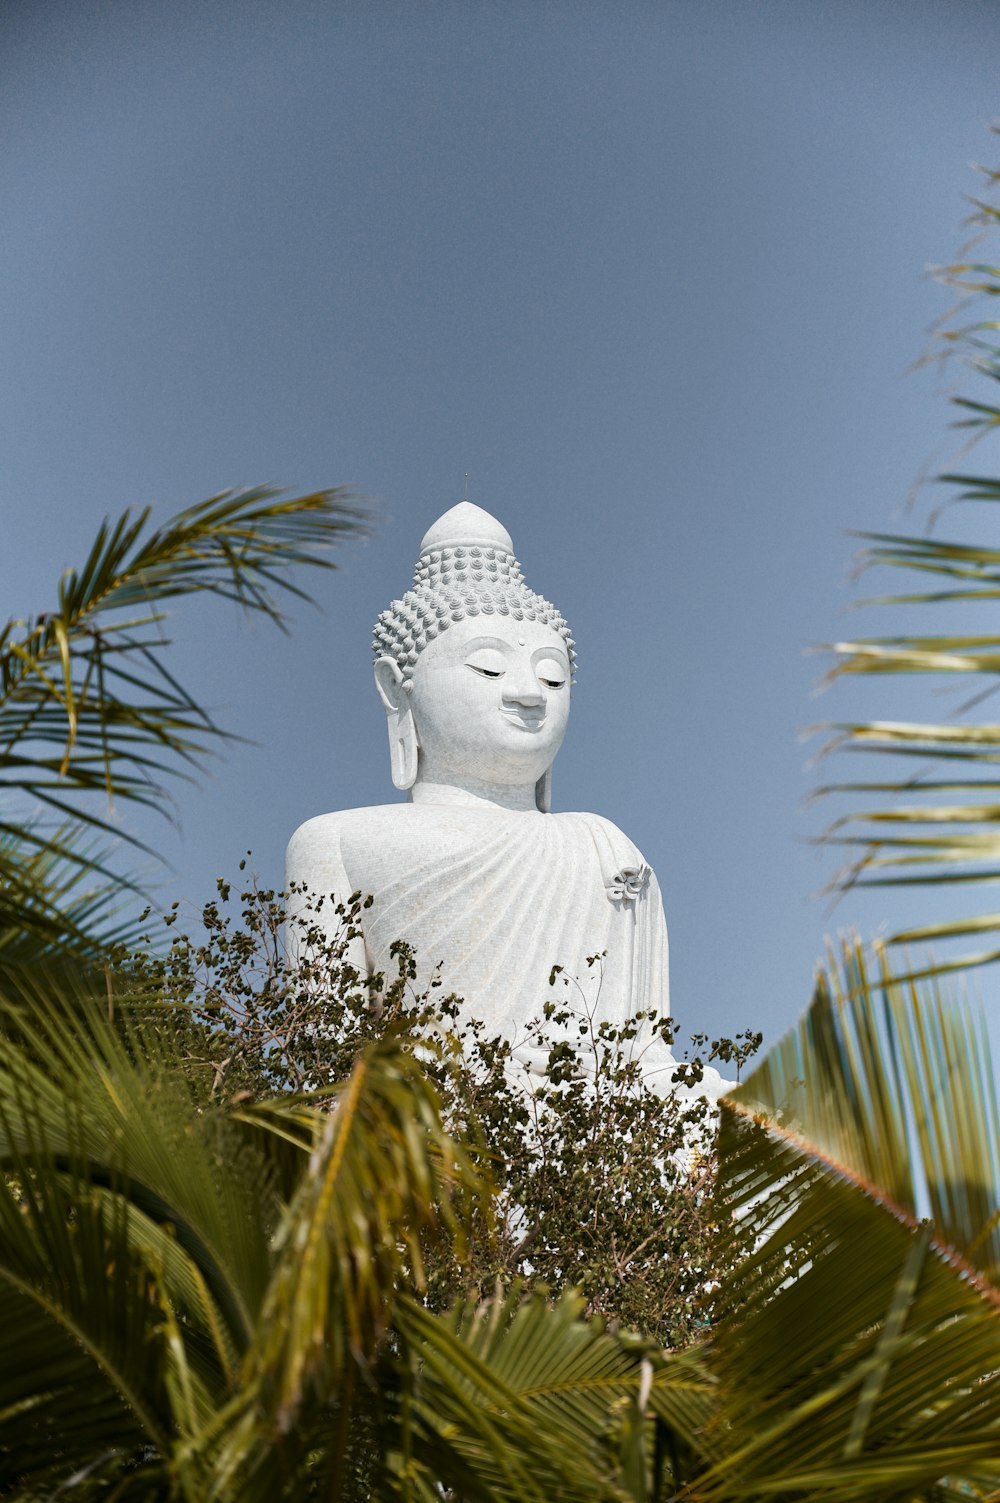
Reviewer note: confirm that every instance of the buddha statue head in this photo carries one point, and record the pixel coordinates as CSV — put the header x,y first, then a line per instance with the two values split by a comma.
x,y
473,669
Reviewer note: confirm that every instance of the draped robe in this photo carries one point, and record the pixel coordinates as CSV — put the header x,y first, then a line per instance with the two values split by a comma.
x,y
491,899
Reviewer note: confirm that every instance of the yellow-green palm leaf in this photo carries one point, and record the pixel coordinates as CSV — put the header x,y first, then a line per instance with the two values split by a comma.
x,y
857,1346
88,705
933,819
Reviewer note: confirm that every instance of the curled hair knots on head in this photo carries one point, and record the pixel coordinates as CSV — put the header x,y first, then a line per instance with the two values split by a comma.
x,y
466,568
403,631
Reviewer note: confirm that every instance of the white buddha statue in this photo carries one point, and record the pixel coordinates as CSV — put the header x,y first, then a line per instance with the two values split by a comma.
x,y
489,887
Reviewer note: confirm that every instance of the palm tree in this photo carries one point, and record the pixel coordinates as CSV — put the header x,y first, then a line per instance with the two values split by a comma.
x,y
225,1303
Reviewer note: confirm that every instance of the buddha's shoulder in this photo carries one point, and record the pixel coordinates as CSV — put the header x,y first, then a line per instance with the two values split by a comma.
x,y
597,823
346,827
583,816
324,830
607,836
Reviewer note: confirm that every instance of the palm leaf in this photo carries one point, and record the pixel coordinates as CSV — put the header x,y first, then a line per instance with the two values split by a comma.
x,y
383,1159
58,891
134,1236
857,1349
382,1176
88,706
513,1400
151,1259
913,835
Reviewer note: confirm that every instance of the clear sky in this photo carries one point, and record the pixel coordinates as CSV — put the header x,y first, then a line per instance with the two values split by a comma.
x,y
651,273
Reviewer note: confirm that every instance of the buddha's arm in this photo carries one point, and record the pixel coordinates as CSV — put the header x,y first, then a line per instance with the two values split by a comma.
x,y
314,870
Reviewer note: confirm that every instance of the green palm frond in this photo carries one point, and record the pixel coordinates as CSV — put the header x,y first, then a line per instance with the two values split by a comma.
x,y
86,679
195,1281
523,1399
893,1080
68,1039
857,1347
380,1175
90,1379
917,836
62,890
129,1266
97,1121
88,708
382,1159
515,1400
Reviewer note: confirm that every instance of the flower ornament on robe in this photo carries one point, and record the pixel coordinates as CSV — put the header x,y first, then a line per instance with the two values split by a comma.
x,y
629,883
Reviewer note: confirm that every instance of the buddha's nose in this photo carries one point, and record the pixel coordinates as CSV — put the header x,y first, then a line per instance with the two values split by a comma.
x,y
524,690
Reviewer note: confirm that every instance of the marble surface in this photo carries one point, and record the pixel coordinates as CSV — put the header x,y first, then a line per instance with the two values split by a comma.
x,y
490,888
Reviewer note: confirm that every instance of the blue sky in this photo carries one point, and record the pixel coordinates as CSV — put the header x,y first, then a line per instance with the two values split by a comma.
x,y
650,273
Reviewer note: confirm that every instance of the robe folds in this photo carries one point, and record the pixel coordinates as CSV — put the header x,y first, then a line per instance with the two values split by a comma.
x,y
490,900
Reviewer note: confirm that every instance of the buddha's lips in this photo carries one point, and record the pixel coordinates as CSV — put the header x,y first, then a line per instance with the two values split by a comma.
x,y
525,721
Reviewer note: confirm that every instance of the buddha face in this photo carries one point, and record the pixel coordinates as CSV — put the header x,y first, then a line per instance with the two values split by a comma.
x,y
490,701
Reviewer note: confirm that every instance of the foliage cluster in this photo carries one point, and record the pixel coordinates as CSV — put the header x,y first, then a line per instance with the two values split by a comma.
x,y
603,1183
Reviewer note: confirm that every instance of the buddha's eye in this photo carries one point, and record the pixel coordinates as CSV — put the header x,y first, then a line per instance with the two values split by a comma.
x,y
551,673
487,662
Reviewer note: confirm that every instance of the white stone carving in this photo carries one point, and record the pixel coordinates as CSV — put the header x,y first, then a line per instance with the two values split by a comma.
x,y
489,887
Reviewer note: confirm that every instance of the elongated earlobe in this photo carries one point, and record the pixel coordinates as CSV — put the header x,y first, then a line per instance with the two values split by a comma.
x,y
543,792
403,751
403,744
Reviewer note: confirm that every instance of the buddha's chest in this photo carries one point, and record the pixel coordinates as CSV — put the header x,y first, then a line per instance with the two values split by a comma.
x,y
415,845
490,903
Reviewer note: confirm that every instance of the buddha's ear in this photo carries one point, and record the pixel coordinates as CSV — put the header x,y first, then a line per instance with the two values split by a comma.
x,y
389,683
403,746
543,792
